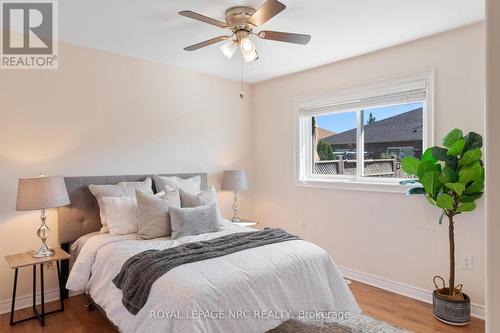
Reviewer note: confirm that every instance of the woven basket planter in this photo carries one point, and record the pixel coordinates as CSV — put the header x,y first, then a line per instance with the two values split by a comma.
x,y
450,311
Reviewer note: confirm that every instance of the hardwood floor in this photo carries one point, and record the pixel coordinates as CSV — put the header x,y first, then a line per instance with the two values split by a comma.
x,y
377,303
405,312
75,318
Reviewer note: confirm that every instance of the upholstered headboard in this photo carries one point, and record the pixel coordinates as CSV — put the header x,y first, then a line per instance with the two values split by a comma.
x,y
82,215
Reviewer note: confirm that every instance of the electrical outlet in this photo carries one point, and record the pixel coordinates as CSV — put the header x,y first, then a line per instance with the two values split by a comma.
x,y
467,261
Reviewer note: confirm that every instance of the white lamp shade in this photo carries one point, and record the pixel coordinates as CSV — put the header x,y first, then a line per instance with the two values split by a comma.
x,y
234,180
42,192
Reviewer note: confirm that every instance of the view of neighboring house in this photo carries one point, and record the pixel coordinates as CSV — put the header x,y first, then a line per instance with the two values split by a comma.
x,y
387,141
397,136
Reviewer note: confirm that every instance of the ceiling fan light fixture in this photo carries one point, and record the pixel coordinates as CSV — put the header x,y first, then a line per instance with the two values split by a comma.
x,y
241,21
247,45
228,49
250,56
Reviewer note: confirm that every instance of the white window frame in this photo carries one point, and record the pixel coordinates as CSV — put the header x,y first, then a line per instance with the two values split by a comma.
x,y
354,99
400,148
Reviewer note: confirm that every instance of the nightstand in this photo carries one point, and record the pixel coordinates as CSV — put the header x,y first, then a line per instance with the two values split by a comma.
x,y
25,259
246,223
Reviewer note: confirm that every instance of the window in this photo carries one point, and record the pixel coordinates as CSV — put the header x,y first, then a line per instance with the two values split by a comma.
x,y
355,138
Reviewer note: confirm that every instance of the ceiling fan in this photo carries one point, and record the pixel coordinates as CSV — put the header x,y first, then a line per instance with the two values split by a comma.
x,y
242,20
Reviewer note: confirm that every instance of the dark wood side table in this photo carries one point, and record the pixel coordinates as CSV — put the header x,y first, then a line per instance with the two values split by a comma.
x,y
25,259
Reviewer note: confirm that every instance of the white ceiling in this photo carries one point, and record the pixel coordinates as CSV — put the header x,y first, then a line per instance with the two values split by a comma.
x,y
152,30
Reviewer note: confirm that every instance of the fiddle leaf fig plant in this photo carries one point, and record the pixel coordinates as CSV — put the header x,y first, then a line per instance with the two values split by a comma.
x,y
451,178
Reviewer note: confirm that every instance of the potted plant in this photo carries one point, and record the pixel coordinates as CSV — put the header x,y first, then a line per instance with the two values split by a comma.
x,y
451,178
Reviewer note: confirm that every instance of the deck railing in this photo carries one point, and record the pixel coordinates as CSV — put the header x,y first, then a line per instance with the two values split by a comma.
x,y
373,167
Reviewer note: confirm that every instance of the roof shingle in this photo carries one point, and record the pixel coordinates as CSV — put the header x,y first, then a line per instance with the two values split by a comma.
x,y
403,127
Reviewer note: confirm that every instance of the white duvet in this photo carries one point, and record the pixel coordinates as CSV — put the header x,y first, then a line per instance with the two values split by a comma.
x,y
253,290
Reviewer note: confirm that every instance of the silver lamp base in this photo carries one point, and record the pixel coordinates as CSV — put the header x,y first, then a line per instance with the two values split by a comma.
x,y
43,232
235,218
43,252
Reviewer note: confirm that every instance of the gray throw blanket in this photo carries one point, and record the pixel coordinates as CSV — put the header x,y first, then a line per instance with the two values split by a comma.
x,y
139,272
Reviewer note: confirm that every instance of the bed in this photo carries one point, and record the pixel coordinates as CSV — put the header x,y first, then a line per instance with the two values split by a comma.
x,y
253,290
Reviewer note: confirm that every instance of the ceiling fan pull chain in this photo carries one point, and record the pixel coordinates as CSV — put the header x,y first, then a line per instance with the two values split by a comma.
x,y
242,94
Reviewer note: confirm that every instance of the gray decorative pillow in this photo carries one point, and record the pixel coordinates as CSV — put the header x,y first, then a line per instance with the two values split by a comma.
x,y
154,214
194,221
208,196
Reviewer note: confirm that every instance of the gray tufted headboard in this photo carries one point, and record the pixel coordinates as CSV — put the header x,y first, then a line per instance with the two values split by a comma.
x,y
82,215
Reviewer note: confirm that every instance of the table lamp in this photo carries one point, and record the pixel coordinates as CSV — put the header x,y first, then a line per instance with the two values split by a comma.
x,y
234,180
40,193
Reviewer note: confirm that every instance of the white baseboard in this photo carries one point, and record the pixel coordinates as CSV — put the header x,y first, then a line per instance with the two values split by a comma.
x,y
417,293
26,301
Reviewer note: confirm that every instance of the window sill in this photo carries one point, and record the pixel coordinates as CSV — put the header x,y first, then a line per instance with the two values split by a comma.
x,y
354,185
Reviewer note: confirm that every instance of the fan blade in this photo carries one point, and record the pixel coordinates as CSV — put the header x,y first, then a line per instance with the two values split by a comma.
x,y
266,12
203,18
206,43
285,37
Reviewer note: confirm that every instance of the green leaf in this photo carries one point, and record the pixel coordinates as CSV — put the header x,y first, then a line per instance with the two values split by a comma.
x,y
471,197
479,164
457,148
431,200
444,179
410,165
475,187
451,174
470,157
473,141
427,156
451,162
425,167
470,174
466,207
431,183
452,137
439,153
445,201
458,188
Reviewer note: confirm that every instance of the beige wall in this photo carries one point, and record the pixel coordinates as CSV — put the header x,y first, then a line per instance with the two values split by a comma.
x,y
90,117
103,114
384,234
493,165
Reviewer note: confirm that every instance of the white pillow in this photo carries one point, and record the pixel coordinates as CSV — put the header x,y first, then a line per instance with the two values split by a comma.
x,y
121,215
145,186
122,189
154,214
191,185
200,198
